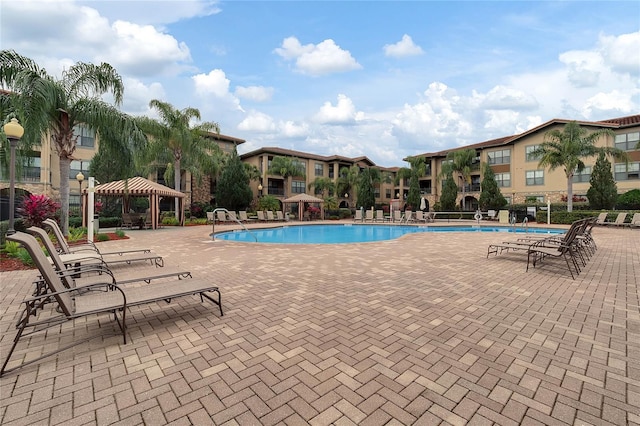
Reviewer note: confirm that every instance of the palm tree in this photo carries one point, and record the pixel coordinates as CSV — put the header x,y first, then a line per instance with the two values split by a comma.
x,y
417,169
347,182
176,144
461,162
322,185
567,148
47,105
286,167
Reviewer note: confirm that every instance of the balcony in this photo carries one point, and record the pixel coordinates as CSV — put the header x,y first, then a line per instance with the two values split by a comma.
x,y
473,187
275,191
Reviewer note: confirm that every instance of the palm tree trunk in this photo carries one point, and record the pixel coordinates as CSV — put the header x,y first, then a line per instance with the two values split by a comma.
x,y
569,193
176,186
64,194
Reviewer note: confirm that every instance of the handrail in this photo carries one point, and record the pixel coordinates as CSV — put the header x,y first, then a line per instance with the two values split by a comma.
x,y
213,229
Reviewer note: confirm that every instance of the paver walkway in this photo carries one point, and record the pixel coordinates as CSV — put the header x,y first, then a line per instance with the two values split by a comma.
x,y
419,330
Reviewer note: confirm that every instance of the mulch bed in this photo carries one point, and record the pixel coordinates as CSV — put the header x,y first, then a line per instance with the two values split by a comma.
x,y
12,264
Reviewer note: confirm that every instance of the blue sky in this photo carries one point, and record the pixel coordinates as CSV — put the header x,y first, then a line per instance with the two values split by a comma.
x,y
385,79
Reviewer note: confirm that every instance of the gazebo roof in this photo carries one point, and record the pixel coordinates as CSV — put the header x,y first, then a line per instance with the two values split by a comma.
x,y
303,198
136,187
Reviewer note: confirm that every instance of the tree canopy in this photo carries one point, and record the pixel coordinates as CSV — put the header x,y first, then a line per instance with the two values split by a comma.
x,y
603,192
47,105
568,147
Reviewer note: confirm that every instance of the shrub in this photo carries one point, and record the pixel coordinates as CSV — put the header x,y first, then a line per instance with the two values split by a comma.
x,y
629,200
199,209
77,234
36,208
13,249
170,221
102,237
120,233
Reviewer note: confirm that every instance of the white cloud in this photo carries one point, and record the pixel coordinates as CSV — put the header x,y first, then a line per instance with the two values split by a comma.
x,y
584,68
137,96
164,12
323,58
622,53
215,83
501,97
289,129
254,93
344,112
404,47
257,122
142,50
612,101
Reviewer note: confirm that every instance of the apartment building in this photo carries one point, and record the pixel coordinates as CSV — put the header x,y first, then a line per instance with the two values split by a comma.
x,y
314,166
517,172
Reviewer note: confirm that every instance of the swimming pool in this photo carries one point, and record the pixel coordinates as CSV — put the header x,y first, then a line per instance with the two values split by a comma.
x,y
348,233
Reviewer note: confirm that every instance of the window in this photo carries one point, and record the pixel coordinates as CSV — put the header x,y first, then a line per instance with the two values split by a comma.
x,y
583,176
627,172
86,136
376,192
302,165
527,152
319,167
77,166
503,180
31,168
499,157
387,193
535,177
297,187
627,141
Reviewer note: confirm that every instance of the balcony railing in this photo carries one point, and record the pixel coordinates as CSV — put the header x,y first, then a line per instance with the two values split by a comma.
x,y
473,187
275,191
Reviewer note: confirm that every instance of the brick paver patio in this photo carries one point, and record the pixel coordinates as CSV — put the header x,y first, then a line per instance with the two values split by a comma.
x,y
419,330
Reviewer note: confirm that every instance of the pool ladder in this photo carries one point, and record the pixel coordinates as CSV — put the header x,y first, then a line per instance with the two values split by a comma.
x,y
213,229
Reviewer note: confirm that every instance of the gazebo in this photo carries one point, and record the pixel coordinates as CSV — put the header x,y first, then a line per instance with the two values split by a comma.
x,y
304,198
138,187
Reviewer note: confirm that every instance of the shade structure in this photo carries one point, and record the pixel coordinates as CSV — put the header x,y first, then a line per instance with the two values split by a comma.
x,y
304,198
140,187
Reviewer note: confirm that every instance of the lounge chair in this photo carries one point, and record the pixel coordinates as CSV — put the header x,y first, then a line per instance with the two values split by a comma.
x,y
221,216
408,216
619,220
565,247
232,216
242,216
98,298
94,258
635,221
280,216
127,220
397,216
368,216
87,246
210,217
270,216
602,218
261,216
358,216
420,216
380,216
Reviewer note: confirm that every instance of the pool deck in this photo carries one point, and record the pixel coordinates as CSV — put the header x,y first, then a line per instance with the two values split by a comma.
x,y
419,330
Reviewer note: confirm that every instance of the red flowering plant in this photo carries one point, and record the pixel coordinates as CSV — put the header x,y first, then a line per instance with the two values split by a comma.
x,y
36,208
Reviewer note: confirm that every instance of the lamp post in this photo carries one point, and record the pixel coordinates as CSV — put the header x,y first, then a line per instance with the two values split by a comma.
x,y
80,179
14,132
259,190
346,195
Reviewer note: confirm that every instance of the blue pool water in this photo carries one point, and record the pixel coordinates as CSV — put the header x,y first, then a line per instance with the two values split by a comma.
x,y
340,234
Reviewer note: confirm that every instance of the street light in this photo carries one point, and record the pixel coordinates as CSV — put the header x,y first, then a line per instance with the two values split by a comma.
x,y
14,131
80,179
260,188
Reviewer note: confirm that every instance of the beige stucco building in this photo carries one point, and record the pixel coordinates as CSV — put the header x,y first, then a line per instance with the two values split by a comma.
x,y
518,174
